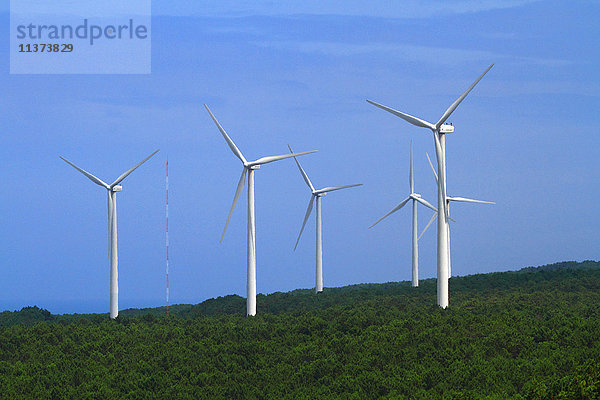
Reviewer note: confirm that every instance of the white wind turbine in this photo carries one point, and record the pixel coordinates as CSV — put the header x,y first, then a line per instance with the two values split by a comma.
x,y
439,130
448,200
416,198
112,190
316,194
249,167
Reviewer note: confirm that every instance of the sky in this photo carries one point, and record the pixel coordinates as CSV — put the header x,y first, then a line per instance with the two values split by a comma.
x,y
298,73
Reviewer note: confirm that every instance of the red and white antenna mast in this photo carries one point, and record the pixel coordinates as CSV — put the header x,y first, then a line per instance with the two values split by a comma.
x,y
167,230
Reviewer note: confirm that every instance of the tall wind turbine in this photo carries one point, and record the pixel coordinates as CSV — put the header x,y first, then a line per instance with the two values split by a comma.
x,y
316,194
448,200
249,168
439,130
112,190
416,198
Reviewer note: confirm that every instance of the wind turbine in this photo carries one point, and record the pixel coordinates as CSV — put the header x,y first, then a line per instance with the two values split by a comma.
x,y
316,194
249,168
416,198
448,200
439,130
112,190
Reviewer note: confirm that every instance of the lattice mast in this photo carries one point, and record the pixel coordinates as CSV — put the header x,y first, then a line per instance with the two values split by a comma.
x,y
167,230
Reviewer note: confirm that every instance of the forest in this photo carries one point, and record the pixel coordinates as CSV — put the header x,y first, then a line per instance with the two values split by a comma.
x,y
527,334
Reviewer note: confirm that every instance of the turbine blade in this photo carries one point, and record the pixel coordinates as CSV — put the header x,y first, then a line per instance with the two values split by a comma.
x,y
130,170
425,203
232,145
431,165
269,159
453,106
113,219
408,118
467,200
433,217
109,205
89,176
411,179
252,234
304,175
332,188
238,192
441,183
308,211
399,206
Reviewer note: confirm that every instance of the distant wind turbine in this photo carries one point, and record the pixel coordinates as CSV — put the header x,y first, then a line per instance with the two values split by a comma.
x,y
448,200
439,130
112,189
316,194
416,198
249,167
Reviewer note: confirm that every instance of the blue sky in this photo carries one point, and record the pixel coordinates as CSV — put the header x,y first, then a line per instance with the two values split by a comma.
x,y
299,73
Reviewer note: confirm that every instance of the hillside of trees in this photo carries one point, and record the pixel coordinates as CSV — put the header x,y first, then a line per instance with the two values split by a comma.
x,y
528,334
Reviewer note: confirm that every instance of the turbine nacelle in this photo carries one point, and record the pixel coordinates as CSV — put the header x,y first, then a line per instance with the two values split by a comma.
x,y
446,128
117,188
415,196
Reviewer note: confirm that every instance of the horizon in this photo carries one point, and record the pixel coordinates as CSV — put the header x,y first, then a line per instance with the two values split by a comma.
x,y
405,282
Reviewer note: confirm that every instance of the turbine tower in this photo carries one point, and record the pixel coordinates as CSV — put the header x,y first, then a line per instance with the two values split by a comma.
x,y
448,200
112,190
249,168
316,194
416,198
439,130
